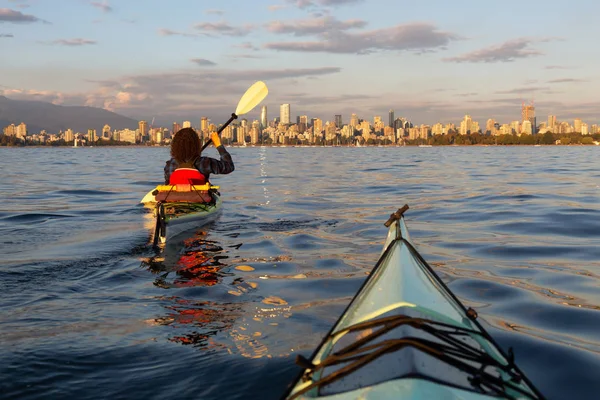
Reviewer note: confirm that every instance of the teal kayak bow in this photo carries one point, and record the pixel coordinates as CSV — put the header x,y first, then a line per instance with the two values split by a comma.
x,y
405,335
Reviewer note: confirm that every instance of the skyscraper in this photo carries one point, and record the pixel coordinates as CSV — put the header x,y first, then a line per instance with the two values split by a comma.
x,y
466,125
391,120
303,123
263,117
551,122
187,124
284,113
528,114
204,124
143,127
577,125
338,120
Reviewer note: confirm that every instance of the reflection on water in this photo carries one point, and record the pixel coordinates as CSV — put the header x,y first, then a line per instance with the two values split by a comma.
x,y
223,313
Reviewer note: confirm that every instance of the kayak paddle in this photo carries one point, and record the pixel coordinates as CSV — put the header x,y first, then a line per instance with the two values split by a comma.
x,y
254,95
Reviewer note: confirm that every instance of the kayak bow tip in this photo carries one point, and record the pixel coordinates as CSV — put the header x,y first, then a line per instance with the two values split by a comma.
x,y
396,216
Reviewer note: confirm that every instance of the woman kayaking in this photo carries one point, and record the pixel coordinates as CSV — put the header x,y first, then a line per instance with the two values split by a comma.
x,y
187,165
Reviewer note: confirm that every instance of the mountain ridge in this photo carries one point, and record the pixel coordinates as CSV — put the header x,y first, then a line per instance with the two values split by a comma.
x,y
40,115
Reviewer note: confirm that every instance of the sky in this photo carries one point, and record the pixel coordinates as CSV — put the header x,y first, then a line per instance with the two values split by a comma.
x,y
430,61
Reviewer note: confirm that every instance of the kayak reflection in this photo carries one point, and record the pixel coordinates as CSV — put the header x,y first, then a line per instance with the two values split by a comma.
x,y
197,263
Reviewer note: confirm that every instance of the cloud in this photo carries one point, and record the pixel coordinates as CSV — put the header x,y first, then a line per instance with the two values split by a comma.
x,y
17,17
222,28
71,42
303,4
173,96
169,32
6,35
557,67
246,46
567,80
203,62
524,89
412,36
250,56
314,26
214,12
276,7
104,6
506,52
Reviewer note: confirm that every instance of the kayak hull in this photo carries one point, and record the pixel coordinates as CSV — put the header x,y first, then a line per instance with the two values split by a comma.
x,y
403,287
180,218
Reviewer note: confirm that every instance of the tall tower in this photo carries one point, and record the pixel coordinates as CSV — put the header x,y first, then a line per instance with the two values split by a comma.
x,y
577,125
284,113
551,122
143,126
528,114
338,120
391,119
204,124
354,121
263,117
303,125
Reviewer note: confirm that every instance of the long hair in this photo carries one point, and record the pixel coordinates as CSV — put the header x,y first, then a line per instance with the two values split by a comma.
x,y
185,146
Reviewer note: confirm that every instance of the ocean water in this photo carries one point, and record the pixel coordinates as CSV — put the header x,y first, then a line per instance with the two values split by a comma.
x,y
90,311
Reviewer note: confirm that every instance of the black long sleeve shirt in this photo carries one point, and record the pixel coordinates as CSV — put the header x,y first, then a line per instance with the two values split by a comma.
x,y
206,165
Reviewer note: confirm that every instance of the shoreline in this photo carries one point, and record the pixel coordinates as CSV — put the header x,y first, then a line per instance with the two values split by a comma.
x,y
138,146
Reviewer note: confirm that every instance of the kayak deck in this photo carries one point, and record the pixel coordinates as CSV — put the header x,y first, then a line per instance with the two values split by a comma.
x,y
405,335
176,218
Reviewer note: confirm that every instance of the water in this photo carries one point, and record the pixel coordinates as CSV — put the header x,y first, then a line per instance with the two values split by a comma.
x,y
89,312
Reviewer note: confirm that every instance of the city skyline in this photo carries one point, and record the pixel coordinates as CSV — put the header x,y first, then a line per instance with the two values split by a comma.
x,y
429,62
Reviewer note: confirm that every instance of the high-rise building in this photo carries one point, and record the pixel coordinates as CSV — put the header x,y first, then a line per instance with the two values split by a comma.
x,y
338,120
391,118
106,134
515,126
354,121
551,122
577,125
526,128
176,127
204,122
22,130
284,113
187,124
490,126
263,117
528,114
302,123
466,125
91,135
317,125
69,136
143,127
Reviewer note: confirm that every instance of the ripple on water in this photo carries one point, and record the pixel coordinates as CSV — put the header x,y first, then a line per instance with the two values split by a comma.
x,y
91,311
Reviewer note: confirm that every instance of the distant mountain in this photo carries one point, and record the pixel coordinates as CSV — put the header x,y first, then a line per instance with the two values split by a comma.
x,y
40,115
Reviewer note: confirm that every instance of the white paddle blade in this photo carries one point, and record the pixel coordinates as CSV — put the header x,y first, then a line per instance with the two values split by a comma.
x,y
254,95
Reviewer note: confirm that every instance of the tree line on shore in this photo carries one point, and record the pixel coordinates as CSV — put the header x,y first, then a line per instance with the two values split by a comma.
x,y
547,138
